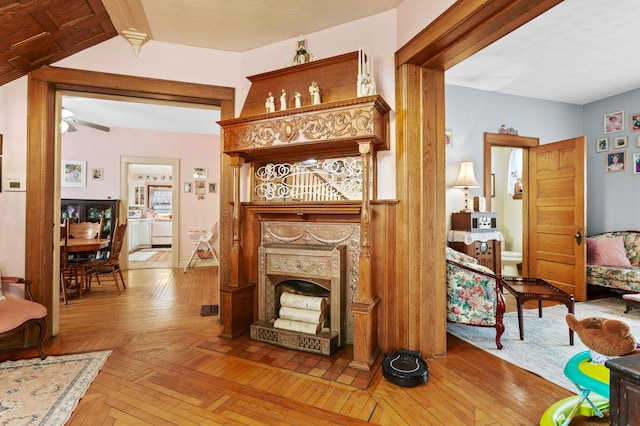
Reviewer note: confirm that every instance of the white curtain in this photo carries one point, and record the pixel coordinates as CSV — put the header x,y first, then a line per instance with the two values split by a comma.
x,y
515,170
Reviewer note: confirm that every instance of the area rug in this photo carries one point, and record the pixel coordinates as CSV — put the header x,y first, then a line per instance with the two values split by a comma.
x,y
142,255
45,392
545,349
334,368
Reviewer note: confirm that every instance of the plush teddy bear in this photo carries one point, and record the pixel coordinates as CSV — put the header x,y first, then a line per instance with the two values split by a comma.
x,y
606,336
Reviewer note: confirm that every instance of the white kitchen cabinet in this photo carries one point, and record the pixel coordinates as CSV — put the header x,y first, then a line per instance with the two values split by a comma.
x,y
144,233
133,234
137,194
139,233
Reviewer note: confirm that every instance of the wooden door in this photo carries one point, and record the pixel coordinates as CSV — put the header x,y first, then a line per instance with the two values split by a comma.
x,y
557,202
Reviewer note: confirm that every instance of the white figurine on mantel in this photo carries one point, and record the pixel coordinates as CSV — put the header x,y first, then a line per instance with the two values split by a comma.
x,y
314,91
298,97
270,104
283,100
366,85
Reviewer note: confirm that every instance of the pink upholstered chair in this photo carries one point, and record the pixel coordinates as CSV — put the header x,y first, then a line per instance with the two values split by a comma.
x,y
17,311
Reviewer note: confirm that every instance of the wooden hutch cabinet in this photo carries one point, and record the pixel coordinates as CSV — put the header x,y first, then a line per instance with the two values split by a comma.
x,y
91,211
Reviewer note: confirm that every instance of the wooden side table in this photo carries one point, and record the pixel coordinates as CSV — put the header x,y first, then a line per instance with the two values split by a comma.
x,y
524,289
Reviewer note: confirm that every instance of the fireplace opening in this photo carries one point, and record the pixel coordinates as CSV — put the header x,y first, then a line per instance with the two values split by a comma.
x,y
307,283
302,306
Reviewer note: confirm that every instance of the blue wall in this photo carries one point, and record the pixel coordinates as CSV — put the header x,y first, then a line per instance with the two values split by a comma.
x,y
613,199
471,112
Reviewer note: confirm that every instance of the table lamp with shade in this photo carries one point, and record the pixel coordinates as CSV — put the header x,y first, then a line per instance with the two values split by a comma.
x,y
466,179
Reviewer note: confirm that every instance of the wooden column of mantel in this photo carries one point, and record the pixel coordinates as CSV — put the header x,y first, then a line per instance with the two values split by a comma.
x,y
236,296
364,308
236,250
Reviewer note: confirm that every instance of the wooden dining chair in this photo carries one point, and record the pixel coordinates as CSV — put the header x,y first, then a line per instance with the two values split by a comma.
x,y
71,270
88,230
94,267
64,259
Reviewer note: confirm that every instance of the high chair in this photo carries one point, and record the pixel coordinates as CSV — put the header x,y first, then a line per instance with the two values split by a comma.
x,y
202,244
592,381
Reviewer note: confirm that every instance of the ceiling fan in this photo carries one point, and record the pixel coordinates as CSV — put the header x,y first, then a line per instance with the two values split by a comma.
x,y
68,121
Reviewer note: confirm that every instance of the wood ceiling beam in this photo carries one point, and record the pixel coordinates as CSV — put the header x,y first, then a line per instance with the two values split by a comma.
x,y
466,28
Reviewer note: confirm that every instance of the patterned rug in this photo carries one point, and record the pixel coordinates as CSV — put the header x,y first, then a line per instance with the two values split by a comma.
x,y
335,367
545,349
37,392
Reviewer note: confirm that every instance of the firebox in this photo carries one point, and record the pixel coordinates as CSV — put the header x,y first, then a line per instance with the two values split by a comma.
x,y
301,297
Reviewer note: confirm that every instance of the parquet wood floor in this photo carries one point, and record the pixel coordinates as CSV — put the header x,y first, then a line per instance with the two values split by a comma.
x,y
158,374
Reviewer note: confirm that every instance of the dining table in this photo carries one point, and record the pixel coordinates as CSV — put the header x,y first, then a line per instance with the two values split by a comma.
x,y
85,245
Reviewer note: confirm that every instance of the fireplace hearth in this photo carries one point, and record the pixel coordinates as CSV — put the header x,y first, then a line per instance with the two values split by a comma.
x,y
303,271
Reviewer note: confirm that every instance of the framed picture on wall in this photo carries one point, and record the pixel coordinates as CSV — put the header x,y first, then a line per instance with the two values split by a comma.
x,y
614,122
187,187
636,163
635,122
447,138
615,162
620,142
199,173
602,144
212,187
200,187
97,174
74,173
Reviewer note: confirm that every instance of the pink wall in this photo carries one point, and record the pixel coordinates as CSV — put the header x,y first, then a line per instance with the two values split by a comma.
x,y
382,34
103,150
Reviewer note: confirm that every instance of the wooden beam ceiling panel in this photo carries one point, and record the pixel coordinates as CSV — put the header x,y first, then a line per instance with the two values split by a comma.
x,y
36,33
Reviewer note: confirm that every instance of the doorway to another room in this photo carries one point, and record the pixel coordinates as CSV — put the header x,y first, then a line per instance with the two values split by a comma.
x,y
150,207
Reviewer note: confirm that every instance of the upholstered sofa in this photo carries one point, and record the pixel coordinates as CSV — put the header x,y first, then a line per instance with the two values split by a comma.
x,y
613,260
474,295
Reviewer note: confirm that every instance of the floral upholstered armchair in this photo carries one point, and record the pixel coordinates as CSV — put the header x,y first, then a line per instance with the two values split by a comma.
x,y
474,294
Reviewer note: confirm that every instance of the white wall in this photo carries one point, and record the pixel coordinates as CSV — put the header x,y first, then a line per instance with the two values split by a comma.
x,y
13,126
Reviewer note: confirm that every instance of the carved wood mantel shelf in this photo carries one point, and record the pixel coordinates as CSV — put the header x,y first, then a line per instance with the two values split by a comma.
x,y
342,125
327,129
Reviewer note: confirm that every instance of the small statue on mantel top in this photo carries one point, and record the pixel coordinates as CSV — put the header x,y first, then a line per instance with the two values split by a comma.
x,y
314,91
302,55
298,98
283,100
270,104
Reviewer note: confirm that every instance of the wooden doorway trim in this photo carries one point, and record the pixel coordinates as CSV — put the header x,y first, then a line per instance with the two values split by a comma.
x,y
511,141
462,30
42,169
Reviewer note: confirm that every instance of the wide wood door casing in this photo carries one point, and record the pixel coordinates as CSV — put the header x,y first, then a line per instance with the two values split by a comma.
x,y
557,215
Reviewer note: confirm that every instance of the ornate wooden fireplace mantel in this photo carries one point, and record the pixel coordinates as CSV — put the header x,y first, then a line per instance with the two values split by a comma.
x,y
343,125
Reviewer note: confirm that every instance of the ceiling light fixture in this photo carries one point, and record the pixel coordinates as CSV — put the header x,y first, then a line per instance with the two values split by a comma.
x,y
136,38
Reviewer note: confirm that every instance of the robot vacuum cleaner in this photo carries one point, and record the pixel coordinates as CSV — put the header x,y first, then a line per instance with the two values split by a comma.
x,y
405,368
